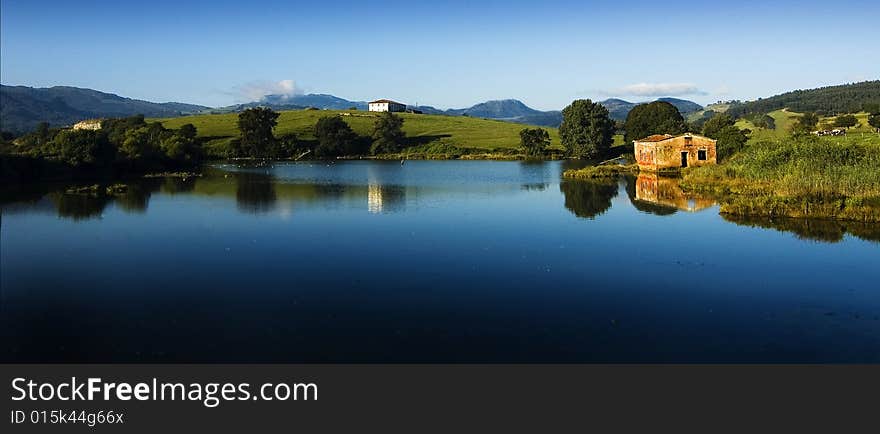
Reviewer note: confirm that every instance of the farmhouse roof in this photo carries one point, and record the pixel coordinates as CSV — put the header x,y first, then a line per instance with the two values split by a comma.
x,y
385,100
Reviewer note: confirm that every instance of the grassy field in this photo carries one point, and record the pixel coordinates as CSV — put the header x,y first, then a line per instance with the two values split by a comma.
x,y
785,119
424,132
458,131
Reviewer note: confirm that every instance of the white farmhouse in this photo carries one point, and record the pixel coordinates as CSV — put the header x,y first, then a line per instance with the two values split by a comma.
x,y
89,124
386,105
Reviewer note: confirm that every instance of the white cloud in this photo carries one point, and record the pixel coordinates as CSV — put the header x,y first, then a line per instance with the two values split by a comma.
x,y
660,89
256,90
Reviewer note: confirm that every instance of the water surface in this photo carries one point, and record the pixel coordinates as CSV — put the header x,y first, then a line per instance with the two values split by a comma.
x,y
446,261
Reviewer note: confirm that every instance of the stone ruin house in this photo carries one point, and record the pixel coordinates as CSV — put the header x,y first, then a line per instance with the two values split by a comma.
x,y
664,151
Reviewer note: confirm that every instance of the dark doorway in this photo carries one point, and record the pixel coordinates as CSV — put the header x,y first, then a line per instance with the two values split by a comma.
x,y
684,159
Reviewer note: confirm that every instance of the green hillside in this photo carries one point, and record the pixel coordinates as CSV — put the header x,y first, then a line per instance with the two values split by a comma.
x,y
830,100
714,108
459,131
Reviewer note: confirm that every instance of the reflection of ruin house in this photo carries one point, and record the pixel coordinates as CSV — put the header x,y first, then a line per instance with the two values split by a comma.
x,y
386,105
663,151
90,124
659,190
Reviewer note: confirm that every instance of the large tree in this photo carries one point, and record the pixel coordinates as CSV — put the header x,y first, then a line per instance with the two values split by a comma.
x,y
388,135
730,140
716,123
586,130
658,117
182,146
846,121
256,125
534,141
805,123
335,137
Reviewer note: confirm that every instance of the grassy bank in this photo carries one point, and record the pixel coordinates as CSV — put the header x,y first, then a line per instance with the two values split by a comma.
x,y
837,178
601,171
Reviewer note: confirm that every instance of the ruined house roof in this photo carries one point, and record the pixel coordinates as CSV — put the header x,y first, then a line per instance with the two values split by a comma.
x,y
656,138
662,137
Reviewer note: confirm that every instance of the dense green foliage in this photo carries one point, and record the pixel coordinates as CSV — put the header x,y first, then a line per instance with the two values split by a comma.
x,y
658,117
335,138
714,125
831,100
388,135
730,139
871,107
586,130
846,121
257,137
129,142
534,141
874,121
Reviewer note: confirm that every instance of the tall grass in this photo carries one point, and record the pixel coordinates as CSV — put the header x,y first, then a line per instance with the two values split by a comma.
x,y
807,176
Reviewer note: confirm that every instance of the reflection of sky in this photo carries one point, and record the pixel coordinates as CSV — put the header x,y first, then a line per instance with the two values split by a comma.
x,y
506,273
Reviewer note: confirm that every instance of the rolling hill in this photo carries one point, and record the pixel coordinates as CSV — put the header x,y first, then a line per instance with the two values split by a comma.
x,y
22,107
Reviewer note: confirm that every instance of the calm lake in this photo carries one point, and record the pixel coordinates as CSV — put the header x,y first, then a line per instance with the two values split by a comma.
x,y
430,261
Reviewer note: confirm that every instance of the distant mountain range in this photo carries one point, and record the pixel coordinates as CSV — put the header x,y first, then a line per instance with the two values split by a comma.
x,y
22,108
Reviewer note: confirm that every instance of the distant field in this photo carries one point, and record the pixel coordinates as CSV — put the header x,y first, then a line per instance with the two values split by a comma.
x,y
785,119
460,131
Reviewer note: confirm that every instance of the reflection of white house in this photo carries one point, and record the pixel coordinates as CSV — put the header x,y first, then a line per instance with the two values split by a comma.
x,y
374,198
386,105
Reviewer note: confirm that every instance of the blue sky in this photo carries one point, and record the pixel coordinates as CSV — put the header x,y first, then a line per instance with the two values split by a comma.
x,y
447,54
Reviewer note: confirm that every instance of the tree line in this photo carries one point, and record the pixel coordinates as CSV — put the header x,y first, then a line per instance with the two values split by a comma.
x,y
126,142
587,130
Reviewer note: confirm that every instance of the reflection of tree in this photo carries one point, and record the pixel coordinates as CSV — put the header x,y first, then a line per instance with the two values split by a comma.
x,y
79,206
829,231
255,192
535,174
534,187
136,195
174,185
588,199
644,206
